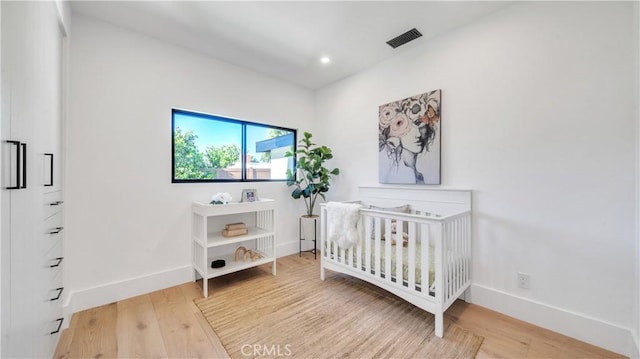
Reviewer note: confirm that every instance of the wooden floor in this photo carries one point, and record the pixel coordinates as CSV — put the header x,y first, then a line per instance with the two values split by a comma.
x,y
167,324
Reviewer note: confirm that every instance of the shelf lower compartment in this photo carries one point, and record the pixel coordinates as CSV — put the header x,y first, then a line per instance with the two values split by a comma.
x,y
232,266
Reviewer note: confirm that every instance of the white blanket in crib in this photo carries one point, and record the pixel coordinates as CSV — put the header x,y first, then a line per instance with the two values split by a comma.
x,y
342,220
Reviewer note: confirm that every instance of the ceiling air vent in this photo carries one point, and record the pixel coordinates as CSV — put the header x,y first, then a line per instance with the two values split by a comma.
x,y
404,38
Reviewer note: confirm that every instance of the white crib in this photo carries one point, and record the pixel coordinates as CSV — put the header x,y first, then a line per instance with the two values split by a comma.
x,y
437,251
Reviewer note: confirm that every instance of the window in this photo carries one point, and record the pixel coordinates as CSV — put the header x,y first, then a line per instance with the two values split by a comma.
x,y
209,148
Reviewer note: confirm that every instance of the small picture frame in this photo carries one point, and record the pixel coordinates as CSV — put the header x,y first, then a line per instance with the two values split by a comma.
x,y
250,195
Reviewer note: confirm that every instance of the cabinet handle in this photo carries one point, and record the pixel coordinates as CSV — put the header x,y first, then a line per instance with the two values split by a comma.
x,y
51,174
24,165
56,230
17,144
59,294
56,203
59,320
59,259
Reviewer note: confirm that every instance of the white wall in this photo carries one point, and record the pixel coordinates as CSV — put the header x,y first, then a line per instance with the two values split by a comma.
x,y
128,226
537,119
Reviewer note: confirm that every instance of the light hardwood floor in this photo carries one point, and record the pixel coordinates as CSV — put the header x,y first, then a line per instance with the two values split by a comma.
x,y
167,324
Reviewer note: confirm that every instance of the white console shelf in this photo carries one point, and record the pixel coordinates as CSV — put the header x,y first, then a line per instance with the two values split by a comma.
x,y
209,244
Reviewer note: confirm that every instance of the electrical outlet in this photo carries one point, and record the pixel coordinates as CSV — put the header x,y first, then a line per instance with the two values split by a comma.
x,y
524,281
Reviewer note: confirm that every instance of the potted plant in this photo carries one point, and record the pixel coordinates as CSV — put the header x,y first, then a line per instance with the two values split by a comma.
x,y
313,177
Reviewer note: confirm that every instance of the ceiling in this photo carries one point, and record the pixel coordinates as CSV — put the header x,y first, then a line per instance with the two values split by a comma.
x,y
286,39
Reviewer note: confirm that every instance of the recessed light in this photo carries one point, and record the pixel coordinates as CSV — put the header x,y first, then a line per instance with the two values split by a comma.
x,y
325,59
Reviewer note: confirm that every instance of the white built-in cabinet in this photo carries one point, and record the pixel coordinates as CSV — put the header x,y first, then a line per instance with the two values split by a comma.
x,y
208,243
32,199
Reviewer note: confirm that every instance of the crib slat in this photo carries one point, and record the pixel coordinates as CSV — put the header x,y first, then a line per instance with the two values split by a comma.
x,y
447,236
329,248
411,250
259,218
424,260
335,251
445,263
387,249
454,263
452,256
461,260
463,250
438,241
457,254
357,261
378,239
468,252
262,220
359,246
367,243
399,257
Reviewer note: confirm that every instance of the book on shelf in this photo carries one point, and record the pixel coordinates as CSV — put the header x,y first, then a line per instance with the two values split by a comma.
x,y
234,232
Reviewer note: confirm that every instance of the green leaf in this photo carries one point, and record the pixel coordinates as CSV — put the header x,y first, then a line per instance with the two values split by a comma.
x,y
296,193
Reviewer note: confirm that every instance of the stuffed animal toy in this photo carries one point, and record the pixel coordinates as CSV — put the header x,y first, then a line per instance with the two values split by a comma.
x,y
245,254
221,198
239,254
396,237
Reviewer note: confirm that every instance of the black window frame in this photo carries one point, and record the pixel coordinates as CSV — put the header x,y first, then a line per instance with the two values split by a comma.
x,y
243,149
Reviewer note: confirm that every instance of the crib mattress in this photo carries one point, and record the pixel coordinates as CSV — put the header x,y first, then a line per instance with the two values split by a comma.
x,y
405,262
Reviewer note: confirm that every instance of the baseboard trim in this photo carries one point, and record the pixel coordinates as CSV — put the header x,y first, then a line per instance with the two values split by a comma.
x,y
636,347
92,297
293,247
591,330
87,298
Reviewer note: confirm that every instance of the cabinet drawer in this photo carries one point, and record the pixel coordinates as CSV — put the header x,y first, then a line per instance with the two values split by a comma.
x,y
52,300
53,221
52,268
51,279
51,294
49,242
54,250
53,326
52,232
52,203
51,169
